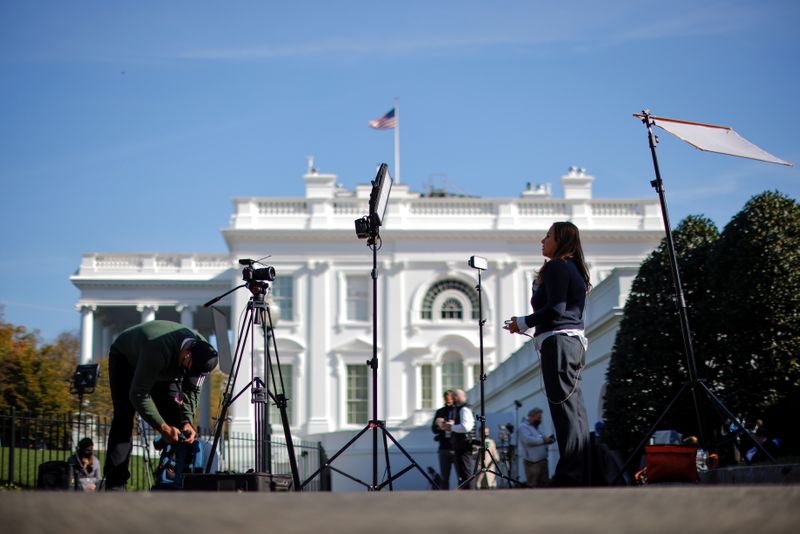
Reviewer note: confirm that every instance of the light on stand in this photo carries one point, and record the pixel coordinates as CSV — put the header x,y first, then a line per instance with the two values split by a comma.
x,y
84,380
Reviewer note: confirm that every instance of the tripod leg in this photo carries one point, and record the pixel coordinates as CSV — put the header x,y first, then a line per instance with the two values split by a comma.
x,y
388,465
287,433
649,433
332,458
410,459
724,409
499,472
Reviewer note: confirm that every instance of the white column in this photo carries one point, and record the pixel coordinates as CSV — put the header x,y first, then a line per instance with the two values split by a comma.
x,y
87,333
318,342
106,337
187,314
241,411
148,312
97,343
396,402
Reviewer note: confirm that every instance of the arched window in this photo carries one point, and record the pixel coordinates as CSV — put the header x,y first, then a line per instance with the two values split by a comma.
x,y
452,309
452,371
443,285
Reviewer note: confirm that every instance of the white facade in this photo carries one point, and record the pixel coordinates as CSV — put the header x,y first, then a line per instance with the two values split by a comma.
x,y
427,334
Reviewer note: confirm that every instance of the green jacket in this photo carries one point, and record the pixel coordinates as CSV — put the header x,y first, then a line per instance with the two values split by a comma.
x,y
153,350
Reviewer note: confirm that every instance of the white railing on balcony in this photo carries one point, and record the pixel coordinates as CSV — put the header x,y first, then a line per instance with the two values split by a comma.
x,y
282,207
451,212
452,206
601,208
352,208
527,208
109,263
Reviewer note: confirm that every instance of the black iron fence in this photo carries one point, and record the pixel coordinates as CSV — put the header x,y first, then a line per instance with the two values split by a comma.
x,y
27,441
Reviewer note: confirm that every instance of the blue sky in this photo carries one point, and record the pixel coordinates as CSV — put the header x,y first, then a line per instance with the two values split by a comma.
x,y
129,126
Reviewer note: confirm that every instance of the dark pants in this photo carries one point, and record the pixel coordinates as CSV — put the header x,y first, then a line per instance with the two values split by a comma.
x,y
562,357
120,376
463,465
446,460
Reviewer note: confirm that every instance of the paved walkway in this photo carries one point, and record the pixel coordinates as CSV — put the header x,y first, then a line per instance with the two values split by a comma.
x,y
673,510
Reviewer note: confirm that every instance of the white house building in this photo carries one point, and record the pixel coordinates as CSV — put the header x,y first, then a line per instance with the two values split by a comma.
x,y
427,328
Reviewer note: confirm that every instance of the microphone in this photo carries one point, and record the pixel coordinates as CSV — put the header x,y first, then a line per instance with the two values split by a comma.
x,y
246,261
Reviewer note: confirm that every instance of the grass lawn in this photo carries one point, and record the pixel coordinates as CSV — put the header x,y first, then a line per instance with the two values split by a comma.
x,y
26,467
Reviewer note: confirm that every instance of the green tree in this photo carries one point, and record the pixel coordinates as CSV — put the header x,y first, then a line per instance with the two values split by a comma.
x,y
33,379
756,283
648,363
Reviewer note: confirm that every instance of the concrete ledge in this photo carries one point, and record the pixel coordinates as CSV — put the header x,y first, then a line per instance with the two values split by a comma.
x,y
670,510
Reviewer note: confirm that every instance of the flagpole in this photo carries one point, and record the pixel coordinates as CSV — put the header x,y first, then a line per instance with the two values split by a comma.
x,y
397,141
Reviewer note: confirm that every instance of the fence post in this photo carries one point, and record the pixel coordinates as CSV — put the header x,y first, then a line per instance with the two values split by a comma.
x,y
322,480
12,445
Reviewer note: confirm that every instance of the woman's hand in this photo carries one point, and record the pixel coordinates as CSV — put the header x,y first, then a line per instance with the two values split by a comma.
x,y
511,326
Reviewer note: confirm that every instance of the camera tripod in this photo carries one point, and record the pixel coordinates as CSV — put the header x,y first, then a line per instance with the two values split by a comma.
x,y
257,314
374,424
480,465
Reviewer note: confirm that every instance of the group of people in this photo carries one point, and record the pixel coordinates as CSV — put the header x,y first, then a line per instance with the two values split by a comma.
x,y
558,299
454,428
157,369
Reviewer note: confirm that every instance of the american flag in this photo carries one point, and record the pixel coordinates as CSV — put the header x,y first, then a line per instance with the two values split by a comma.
x,y
386,122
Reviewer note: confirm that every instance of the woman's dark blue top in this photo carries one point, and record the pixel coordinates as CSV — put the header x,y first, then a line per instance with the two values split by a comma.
x,y
559,300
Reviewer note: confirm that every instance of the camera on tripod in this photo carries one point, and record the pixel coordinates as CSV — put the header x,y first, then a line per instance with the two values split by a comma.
x,y
253,274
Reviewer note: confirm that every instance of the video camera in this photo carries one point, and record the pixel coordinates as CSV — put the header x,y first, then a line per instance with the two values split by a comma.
x,y
253,274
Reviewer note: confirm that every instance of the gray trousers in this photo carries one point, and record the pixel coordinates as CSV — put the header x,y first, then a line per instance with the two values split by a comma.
x,y
562,357
537,474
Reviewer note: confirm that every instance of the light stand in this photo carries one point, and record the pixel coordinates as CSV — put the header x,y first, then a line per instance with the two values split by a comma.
x,y
515,463
84,380
368,227
694,384
480,264
257,314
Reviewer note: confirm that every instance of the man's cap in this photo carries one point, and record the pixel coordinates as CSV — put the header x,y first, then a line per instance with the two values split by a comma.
x,y
85,443
534,412
204,358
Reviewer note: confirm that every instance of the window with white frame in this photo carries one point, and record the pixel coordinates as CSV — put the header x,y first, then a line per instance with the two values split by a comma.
x,y
469,292
274,413
283,296
452,309
357,395
452,371
426,386
476,374
357,297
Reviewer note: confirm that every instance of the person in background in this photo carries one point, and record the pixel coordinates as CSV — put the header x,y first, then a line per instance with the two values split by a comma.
x,y
461,427
534,450
446,455
85,466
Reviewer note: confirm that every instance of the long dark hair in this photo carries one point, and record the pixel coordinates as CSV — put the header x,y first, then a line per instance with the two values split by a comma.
x,y
568,245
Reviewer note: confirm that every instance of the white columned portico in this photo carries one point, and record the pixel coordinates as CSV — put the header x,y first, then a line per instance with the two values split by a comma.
x,y
87,332
148,312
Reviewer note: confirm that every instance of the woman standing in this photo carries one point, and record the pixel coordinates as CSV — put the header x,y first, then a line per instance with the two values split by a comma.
x,y
559,297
